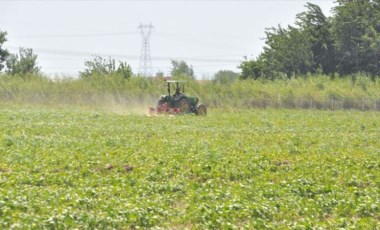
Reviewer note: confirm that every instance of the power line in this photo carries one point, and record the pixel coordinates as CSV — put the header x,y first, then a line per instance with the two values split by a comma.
x,y
133,57
74,35
185,38
168,36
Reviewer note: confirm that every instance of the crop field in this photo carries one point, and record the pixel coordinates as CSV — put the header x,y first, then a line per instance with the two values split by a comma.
x,y
254,169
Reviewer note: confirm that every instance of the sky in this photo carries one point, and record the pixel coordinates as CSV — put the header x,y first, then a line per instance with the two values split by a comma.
x,y
209,35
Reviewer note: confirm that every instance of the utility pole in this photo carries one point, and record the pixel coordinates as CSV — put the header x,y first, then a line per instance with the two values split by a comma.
x,y
145,67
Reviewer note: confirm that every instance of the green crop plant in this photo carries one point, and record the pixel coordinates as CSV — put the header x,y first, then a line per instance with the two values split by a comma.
x,y
63,168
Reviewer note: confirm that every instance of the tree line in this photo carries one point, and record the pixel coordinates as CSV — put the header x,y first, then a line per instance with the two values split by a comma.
x,y
346,43
23,62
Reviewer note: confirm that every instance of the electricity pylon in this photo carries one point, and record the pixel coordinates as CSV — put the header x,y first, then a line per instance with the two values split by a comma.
x,y
145,67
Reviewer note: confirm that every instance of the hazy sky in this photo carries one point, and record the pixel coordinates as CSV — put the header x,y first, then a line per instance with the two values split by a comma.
x,y
209,35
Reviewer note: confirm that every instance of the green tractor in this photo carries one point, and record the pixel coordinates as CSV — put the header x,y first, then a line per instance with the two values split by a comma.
x,y
178,102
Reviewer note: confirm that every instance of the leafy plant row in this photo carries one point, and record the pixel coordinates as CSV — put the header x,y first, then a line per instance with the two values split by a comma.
x,y
245,169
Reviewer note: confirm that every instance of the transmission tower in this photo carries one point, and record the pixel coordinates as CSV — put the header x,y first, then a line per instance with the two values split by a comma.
x,y
145,67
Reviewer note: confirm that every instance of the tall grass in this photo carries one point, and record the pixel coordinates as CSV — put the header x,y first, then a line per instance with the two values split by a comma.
x,y
311,93
315,92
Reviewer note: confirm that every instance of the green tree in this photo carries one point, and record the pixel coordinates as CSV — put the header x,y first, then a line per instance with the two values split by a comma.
x,y
124,70
253,69
25,62
105,67
225,77
3,52
356,27
287,51
306,47
182,69
347,43
160,74
296,50
317,28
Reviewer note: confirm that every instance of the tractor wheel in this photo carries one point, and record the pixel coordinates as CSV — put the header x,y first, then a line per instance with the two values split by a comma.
x,y
201,110
183,104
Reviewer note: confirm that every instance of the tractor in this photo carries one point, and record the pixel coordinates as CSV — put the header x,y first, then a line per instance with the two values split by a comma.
x,y
178,102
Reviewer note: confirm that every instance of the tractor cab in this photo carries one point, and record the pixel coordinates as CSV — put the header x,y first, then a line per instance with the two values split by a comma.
x,y
177,87
174,93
